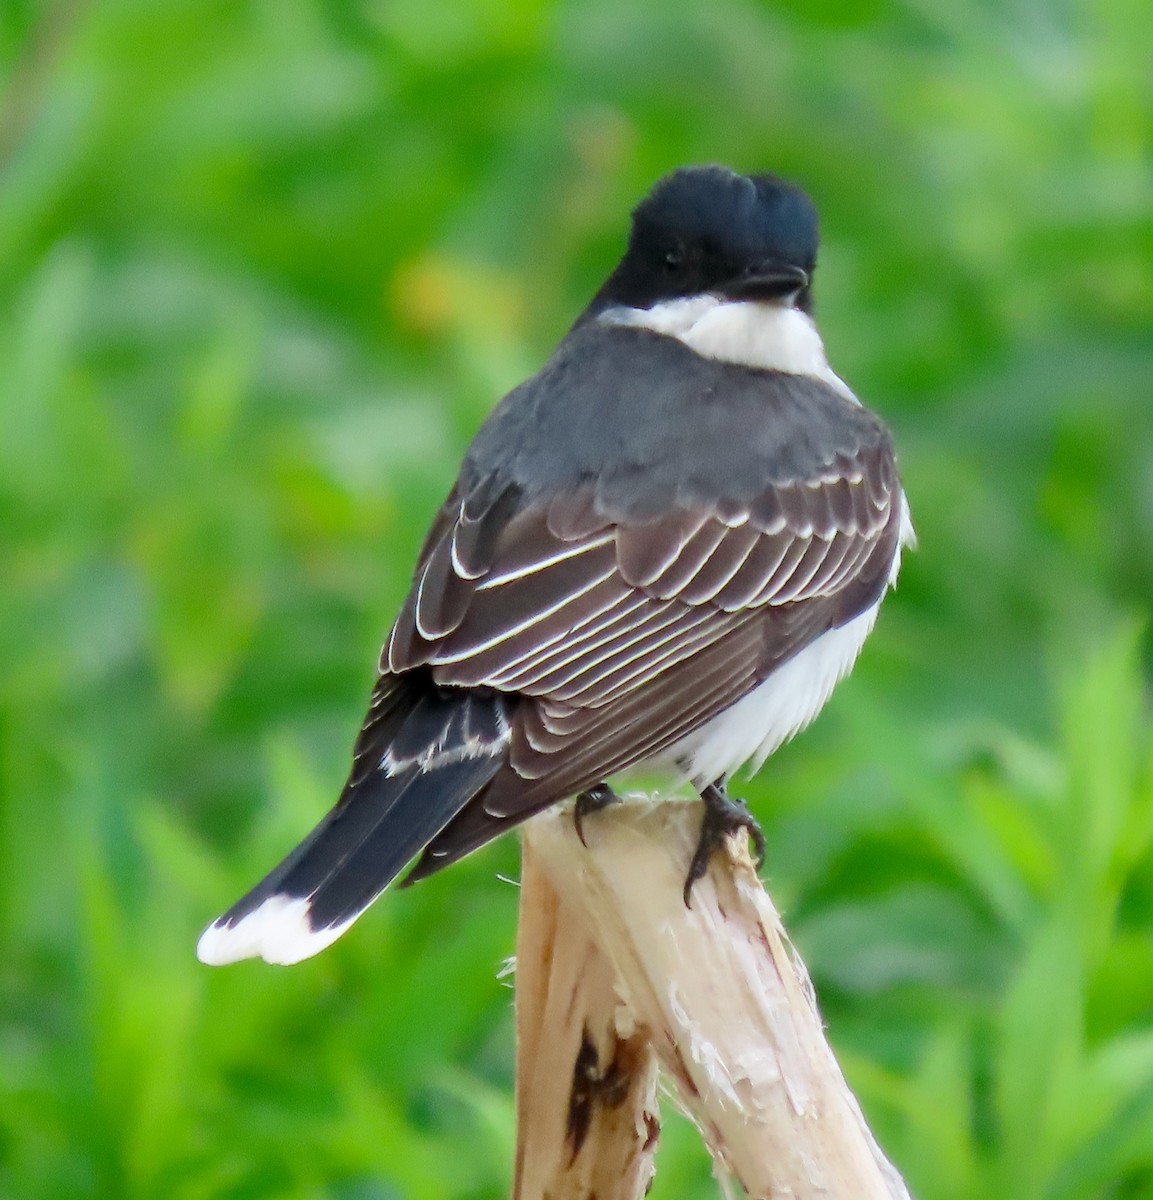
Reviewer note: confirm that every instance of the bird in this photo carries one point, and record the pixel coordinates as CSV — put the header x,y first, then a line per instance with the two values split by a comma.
x,y
662,551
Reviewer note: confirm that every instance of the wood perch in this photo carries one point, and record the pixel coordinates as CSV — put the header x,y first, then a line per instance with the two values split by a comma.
x,y
615,976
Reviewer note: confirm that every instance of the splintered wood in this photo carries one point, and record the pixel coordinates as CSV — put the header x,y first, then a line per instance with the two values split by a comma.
x,y
615,975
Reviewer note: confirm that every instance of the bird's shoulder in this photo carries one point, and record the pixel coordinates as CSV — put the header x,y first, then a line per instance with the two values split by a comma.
x,y
653,425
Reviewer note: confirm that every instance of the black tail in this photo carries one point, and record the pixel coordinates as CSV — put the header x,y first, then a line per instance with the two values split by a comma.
x,y
423,754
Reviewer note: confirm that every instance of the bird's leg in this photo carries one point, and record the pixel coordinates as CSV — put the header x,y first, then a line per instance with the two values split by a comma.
x,y
592,801
723,816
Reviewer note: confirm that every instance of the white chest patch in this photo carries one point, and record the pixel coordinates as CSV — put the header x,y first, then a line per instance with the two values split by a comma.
x,y
782,706
773,337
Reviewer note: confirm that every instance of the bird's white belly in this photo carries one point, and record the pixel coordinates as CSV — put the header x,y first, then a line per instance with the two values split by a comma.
x,y
780,707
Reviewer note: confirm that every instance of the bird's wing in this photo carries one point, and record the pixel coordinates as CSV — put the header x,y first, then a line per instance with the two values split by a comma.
x,y
624,635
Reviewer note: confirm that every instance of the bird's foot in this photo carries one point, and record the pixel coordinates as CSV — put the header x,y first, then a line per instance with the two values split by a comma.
x,y
592,801
723,816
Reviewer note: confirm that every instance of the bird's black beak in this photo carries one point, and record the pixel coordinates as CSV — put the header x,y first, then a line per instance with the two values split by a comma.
x,y
767,281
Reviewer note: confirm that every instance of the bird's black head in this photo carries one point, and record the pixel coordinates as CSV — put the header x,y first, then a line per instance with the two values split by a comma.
x,y
708,230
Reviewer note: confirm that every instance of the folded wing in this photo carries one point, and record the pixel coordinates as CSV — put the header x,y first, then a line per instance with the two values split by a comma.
x,y
625,635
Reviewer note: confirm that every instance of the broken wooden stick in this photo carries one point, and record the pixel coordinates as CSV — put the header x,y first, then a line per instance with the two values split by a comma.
x,y
615,975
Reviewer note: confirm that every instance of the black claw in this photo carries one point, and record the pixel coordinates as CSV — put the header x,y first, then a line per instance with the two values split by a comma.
x,y
723,816
592,801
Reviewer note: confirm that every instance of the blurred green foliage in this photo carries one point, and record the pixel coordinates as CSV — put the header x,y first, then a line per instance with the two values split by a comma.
x,y
263,269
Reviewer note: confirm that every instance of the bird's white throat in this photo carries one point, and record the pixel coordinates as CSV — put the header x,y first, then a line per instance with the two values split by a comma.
x,y
774,337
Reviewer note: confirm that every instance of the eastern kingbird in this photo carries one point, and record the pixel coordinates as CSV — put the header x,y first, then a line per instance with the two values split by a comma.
x,y
666,548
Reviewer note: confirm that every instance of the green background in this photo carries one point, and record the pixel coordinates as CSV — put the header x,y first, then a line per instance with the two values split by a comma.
x,y
264,267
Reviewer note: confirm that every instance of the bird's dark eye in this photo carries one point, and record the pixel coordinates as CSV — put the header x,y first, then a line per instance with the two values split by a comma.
x,y
674,259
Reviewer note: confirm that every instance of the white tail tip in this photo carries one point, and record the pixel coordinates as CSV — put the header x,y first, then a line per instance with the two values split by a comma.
x,y
279,931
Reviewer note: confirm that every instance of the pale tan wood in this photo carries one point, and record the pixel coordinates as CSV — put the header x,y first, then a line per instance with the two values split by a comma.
x,y
587,1120
720,991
